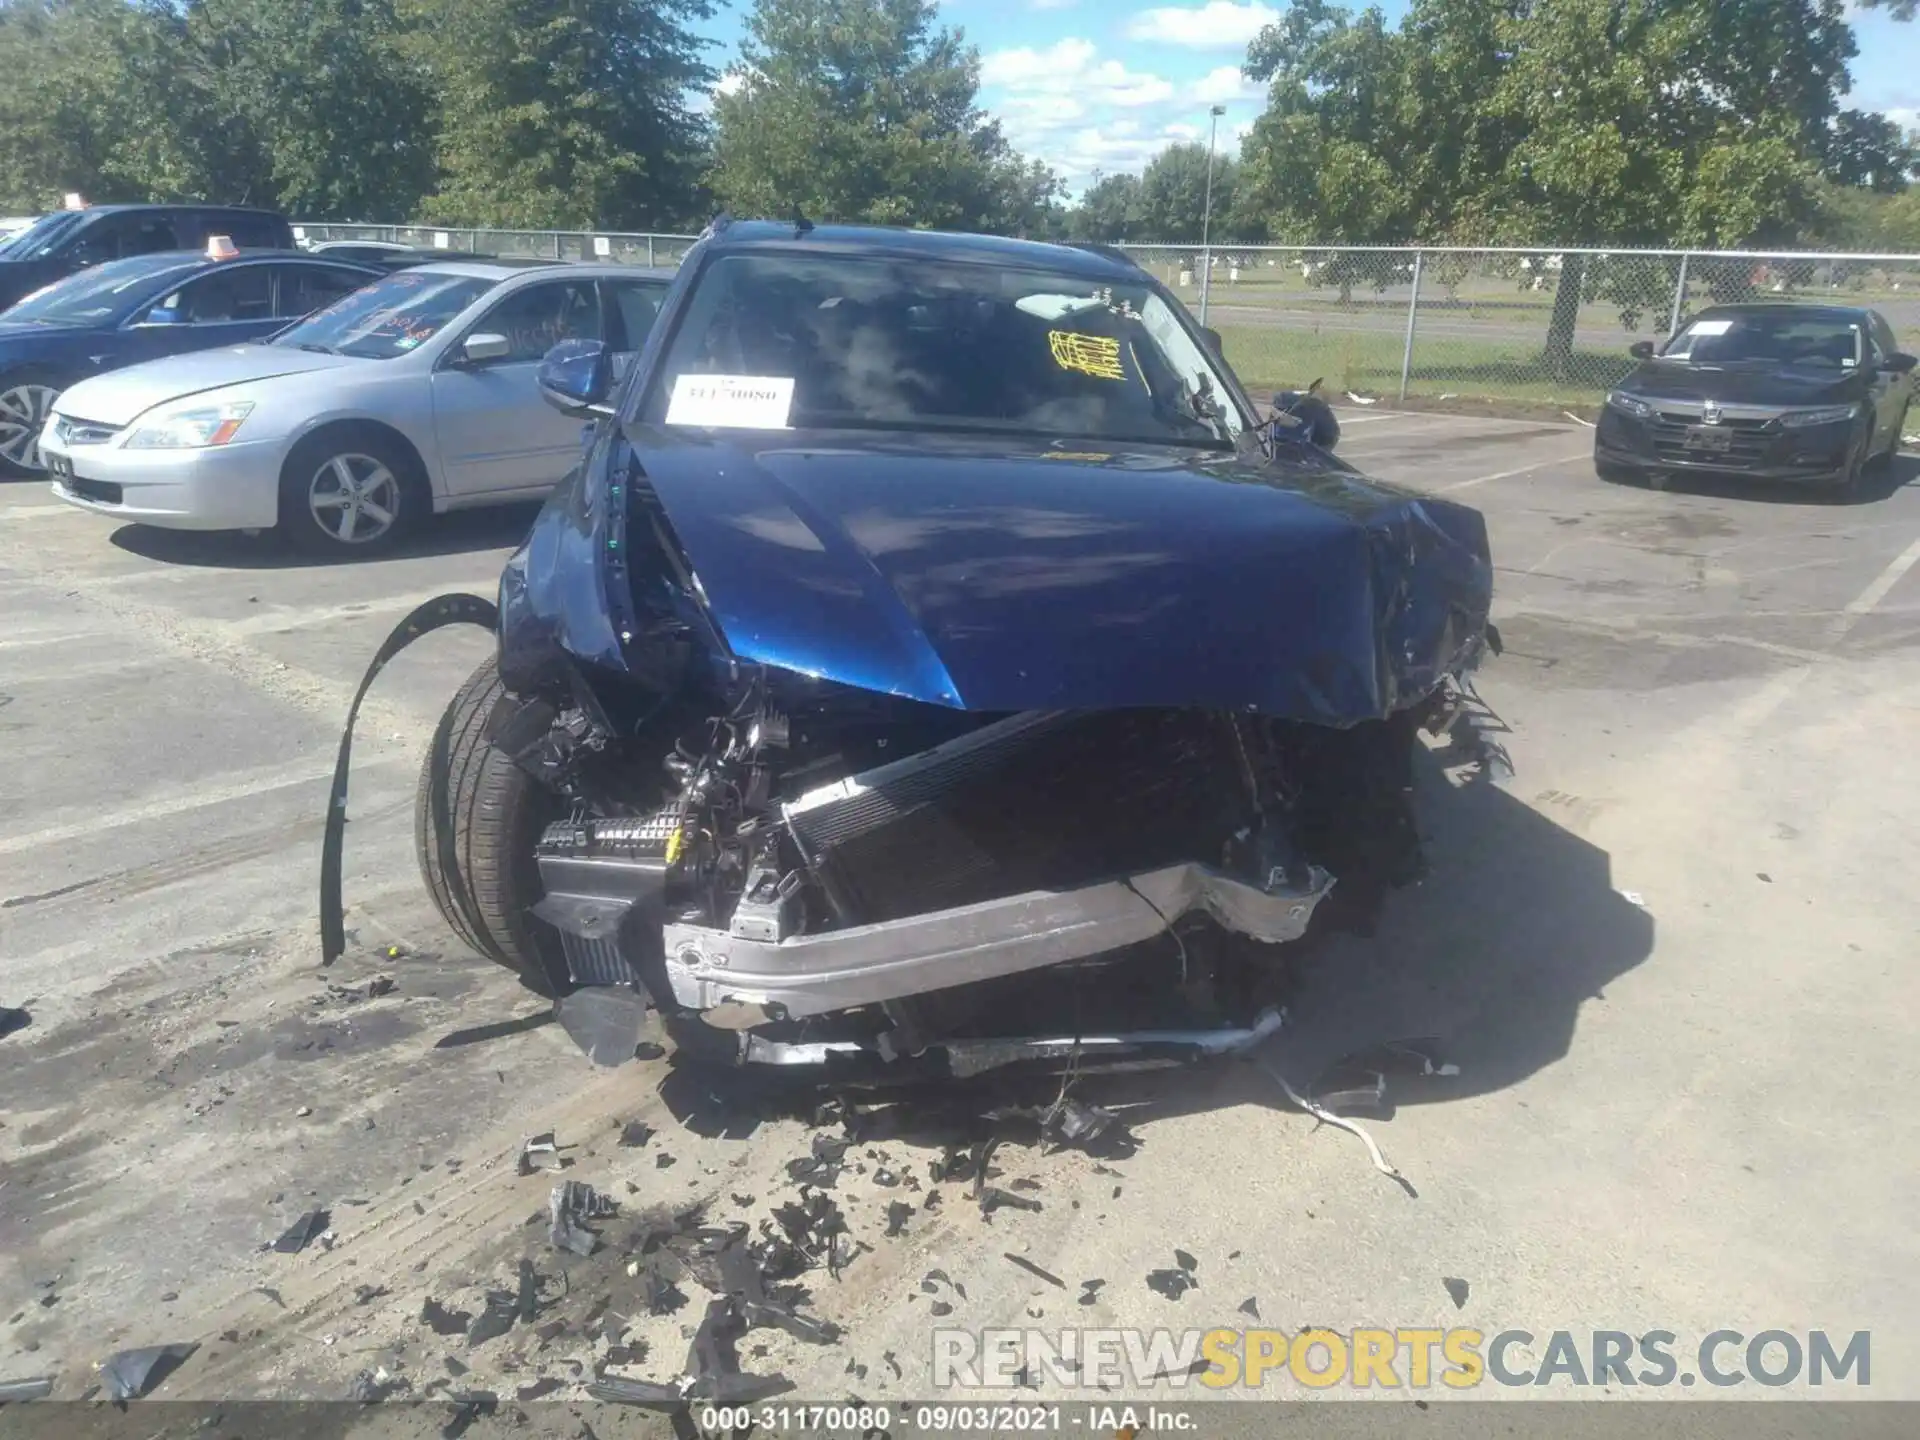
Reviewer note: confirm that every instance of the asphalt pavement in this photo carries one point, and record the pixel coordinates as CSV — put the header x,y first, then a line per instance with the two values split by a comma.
x,y
1670,953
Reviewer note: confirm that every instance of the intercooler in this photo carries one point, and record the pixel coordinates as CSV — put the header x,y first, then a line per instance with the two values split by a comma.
x,y
1035,841
1042,801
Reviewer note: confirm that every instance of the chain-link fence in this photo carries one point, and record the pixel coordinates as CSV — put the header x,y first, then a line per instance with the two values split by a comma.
x,y
1548,326
623,248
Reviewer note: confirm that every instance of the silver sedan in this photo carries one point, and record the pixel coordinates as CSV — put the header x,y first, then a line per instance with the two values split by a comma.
x,y
410,396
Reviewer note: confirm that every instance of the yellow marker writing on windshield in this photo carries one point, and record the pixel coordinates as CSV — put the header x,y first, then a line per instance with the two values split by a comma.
x,y
1089,354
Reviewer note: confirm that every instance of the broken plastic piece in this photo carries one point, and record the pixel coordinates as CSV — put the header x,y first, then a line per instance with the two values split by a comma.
x,y
528,1301
1250,1306
1185,1261
468,1406
635,1133
442,1320
36,1389
1457,1289
994,1198
605,1021
539,1152
132,1373
302,1232
567,1206
495,1320
1360,1083
12,1019
941,1309
1327,1117
1033,1269
898,1213
643,1393
1171,1283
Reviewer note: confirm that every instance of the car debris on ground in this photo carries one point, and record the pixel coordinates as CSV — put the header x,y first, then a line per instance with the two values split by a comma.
x,y
302,1233
37,1388
130,1374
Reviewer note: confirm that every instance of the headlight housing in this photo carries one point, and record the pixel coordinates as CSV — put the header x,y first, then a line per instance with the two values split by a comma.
x,y
196,427
1630,404
1825,415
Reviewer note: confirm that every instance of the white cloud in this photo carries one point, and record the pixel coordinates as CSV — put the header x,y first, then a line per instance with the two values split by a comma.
x,y
730,83
1070,68
1216,25
1224,86
1907,117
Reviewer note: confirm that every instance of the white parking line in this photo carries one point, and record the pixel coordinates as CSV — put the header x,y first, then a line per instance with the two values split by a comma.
x,y
1508,474
1862,604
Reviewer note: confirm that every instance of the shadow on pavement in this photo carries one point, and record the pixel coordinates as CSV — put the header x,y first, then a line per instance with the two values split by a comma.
x,y
1879,484
461,532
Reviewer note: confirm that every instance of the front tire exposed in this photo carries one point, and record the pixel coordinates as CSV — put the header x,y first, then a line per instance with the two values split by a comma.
x,y
477,818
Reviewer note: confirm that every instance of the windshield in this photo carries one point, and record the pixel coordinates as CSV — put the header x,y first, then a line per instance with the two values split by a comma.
x,y
38,237
771,341
1783,337
97,296
387,318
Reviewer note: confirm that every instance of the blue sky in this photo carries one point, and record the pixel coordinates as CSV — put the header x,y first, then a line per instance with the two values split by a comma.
x,y
1104,85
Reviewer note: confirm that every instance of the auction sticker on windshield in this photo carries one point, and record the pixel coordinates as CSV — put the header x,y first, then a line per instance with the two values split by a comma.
x,y
732,402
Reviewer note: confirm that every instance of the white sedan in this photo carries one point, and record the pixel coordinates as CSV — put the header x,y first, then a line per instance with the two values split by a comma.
x,y
414,394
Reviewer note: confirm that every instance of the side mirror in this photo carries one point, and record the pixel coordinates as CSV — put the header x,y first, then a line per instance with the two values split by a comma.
x,y
1641,350
484,348
575,378
1214,342
1901,363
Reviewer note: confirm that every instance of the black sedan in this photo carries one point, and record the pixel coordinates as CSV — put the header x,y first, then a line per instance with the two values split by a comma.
x,y
1809,393
143,308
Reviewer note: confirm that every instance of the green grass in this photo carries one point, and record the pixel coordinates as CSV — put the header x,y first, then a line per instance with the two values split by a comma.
x,y
1369,362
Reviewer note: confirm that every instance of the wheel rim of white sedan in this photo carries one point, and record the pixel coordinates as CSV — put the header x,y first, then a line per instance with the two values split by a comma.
x,y
354,498
23,411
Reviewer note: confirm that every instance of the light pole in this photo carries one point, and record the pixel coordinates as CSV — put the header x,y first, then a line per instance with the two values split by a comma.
x,y
1206,214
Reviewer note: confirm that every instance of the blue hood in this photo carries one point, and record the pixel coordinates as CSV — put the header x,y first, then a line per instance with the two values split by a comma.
x,y
990,576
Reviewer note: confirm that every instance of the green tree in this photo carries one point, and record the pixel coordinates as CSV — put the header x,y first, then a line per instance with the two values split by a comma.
x,y
1583,122
1173,195
1109,211
303,104
336,118
563,113
864,110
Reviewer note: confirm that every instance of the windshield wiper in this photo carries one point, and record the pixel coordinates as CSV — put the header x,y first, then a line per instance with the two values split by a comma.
x,y
316,349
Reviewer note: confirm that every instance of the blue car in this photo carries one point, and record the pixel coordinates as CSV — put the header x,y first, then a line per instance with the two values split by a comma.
x,y
143,308
935,661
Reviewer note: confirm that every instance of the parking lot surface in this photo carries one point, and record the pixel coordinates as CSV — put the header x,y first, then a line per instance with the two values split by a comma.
x,y
1670,953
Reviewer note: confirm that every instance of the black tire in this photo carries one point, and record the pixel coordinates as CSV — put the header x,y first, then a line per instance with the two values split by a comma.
x,y
14,386
397,488
477,819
